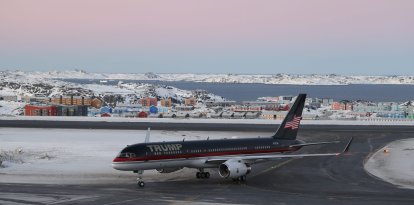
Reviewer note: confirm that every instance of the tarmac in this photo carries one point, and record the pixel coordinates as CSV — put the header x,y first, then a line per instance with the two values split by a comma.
x,y
320,180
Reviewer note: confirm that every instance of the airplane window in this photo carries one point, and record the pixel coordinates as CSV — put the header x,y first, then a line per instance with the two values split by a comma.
x,y
126,155
121,154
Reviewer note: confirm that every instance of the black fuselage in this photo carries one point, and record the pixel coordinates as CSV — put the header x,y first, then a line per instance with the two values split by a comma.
x,y
206,148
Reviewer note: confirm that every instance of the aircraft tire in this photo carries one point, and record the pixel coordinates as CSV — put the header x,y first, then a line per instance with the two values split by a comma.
x,y
242,178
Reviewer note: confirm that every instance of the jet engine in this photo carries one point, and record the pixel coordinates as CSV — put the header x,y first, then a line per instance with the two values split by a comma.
x,y
234,169
168,170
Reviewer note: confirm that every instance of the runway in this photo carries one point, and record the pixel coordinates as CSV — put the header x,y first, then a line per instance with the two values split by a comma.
x,y
322,180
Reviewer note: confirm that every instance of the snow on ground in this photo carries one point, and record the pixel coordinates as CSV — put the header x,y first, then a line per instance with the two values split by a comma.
x,y
395,166
70,156
10,107
100,89
7,92
169,91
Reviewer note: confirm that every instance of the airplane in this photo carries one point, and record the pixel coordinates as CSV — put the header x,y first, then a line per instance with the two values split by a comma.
x,y
232,157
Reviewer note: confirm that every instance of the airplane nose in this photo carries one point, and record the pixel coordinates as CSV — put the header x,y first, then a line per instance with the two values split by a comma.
x,y
116,165
119,164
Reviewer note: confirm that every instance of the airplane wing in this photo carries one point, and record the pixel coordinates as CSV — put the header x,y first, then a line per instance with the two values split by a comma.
x,y
313,143
254,158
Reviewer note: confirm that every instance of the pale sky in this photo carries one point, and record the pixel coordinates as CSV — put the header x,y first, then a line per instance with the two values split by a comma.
x,y
210,36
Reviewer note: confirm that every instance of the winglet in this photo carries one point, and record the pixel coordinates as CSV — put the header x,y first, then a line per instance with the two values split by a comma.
x,y
147,138
346,149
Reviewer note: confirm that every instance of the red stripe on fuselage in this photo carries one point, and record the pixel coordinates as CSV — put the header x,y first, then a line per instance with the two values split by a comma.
x,y
206,154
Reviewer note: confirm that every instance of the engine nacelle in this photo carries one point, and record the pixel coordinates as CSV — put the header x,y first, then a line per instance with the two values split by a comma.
x,y
168,170
234,169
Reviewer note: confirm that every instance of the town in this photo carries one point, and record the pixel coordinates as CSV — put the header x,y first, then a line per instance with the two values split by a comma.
x,y
199,106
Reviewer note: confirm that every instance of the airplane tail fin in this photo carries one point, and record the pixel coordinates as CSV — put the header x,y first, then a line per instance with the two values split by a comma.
x,y
290,125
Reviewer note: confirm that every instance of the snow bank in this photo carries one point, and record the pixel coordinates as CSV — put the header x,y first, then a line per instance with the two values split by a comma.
x,y
395,165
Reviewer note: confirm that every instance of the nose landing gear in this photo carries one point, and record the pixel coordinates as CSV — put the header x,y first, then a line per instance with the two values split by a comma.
x,y
140,182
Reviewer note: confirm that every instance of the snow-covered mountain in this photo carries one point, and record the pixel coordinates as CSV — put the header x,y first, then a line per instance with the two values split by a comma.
x,y
313,79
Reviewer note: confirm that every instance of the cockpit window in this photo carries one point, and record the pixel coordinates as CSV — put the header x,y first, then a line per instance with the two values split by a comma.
x,y
126,155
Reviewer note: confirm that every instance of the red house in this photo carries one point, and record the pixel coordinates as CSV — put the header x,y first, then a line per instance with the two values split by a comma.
x,y
105,115
40,110
142,114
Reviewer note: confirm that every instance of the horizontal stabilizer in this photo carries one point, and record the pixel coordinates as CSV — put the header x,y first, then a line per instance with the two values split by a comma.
x,y
346,149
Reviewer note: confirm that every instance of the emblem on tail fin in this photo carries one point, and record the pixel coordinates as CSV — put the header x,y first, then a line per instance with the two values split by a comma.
x,y
289,127
294,123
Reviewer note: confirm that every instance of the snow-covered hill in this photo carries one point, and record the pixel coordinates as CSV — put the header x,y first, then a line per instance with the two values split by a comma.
x,y
48,84
313,79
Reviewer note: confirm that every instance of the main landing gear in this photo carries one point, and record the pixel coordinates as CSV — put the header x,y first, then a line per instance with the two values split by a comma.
x,y
202,175
240,179
140,182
